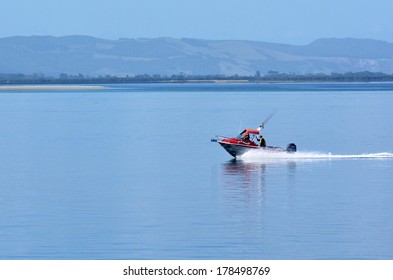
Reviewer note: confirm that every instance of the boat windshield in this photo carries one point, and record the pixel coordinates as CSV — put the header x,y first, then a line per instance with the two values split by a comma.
x,y
252,133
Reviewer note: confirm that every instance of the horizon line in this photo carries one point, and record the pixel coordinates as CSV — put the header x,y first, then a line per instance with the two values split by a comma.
x,y
192,38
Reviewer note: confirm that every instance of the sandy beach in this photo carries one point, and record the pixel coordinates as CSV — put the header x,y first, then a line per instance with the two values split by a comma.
x,y
49,87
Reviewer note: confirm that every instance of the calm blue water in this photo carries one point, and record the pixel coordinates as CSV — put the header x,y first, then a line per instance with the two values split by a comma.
x,y
129,172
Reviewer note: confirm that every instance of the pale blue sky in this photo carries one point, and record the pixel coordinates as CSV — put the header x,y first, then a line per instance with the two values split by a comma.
x,y
282,21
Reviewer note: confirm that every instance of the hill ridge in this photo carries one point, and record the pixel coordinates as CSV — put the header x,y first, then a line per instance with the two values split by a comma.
x,y
80,54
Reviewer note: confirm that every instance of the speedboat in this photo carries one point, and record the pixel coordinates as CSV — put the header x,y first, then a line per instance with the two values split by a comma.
x,y
239,145
250,139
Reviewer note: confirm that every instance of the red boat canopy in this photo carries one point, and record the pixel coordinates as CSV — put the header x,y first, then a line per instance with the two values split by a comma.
x,y
250,131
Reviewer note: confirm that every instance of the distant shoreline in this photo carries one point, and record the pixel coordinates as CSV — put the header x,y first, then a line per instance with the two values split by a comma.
x,y
50,87
20,82
70,82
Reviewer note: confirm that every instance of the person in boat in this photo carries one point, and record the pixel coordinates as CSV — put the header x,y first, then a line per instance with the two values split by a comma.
x,y
246,138
262,141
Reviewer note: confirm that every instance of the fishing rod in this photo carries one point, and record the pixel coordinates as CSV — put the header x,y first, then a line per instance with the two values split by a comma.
x,y
262,125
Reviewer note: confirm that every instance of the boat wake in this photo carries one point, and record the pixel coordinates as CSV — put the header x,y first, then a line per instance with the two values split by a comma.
x,y
259,155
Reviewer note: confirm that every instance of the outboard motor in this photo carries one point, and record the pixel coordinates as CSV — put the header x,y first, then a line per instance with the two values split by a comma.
x,y
291,148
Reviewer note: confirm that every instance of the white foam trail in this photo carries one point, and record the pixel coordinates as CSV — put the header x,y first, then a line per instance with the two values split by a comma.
x,y
268,155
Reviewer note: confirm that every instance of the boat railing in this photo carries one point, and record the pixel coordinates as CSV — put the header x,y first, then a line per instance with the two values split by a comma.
x,y
218,138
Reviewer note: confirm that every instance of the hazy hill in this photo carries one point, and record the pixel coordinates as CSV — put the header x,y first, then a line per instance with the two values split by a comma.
x,y
166,56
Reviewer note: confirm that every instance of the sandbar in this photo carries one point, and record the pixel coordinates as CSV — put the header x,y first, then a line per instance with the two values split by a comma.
x,y
50,87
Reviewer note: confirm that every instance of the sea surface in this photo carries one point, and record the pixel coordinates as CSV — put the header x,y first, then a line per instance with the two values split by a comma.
x,y
129,172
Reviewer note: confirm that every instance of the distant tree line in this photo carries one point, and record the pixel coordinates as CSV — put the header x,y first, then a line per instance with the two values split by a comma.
x,y
271,76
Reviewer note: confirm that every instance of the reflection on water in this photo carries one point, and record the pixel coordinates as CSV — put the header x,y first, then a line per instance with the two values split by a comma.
x,y
252,173
248,181
242,174
252,191
244,180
